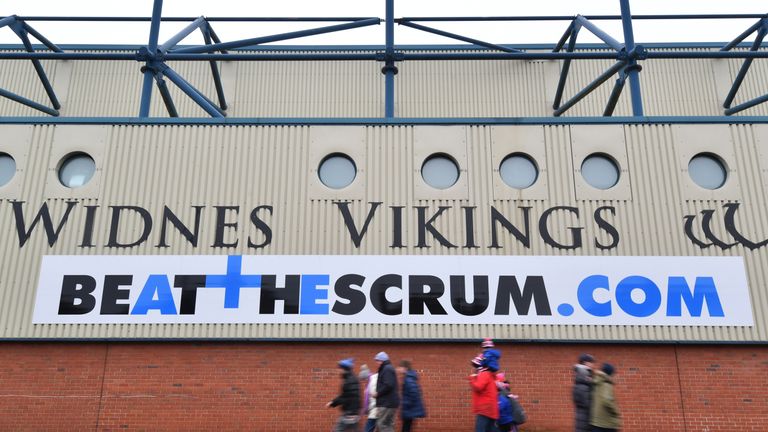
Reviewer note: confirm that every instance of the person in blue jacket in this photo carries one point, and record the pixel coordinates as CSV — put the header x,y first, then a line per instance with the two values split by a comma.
x,y
411,404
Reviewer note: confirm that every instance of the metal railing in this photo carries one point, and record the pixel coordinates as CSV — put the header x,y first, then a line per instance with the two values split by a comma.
x,y
154,56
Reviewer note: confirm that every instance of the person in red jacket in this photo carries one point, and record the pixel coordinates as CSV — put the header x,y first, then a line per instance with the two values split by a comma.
x,y
484,398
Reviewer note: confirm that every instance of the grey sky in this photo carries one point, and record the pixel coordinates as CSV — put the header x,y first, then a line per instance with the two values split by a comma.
x,y
646,31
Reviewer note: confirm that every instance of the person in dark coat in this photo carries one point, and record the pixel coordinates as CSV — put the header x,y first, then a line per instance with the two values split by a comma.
x,y
412,404
348,400
387,399
582,392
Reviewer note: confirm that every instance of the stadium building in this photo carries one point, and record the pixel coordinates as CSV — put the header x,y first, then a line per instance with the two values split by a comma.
x,y
192,236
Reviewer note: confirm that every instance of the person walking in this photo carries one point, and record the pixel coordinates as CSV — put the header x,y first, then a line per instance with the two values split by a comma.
x,y
505,422
387,399
484,397
369,402
605,415
582,392
412,404
348,400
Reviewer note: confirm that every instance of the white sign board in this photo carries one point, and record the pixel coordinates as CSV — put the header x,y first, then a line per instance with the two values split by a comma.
x,y
545,290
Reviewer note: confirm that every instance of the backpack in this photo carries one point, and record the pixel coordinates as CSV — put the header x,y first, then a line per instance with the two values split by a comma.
x,y
518,413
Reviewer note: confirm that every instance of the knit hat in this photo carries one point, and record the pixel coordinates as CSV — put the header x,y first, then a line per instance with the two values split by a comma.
x,y
382,357
347,363
584,357
365,373
608,369
501,377
487,343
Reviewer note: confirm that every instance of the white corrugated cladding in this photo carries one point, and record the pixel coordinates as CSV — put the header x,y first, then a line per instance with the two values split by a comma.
x,y
500,88
247,166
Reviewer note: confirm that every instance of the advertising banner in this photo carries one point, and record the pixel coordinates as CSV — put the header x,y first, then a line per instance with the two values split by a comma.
x,y
391,289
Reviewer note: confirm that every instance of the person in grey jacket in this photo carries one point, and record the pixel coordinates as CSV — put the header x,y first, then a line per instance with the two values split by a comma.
x,y
582,392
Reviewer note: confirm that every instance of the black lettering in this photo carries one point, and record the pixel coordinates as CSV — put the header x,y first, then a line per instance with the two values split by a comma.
x,y
189,285
607,227
169,216
44,215
469,221
547,237
533,289
349,222
496,216
221,225
379,294
397,226
114,227
113,293
77,288
419,297
289,294
90,218
344,290
426,225
261,226
459,295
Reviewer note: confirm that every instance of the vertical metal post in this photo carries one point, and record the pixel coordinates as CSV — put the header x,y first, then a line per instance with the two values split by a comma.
x,y
633,71
154,32
389,64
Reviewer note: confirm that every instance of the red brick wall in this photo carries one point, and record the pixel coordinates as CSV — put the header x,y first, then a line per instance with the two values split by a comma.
x,y
284,386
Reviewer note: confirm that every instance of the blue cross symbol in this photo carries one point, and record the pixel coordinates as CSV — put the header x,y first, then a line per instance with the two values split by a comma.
x,y
233,281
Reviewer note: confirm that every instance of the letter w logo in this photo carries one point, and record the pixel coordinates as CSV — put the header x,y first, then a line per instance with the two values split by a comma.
x,y
730,226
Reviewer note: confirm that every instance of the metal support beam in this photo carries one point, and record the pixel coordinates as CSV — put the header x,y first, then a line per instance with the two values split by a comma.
x,y
192,92
30,103
575,27
279,37
615,94
162,87
744,69
745,105
593,85
389,70
744,35
22,33
632,67
215,72
595,30
199,23
457,37
154,32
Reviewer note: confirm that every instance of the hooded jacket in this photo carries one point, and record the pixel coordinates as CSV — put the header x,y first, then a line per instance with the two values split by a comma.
x,y
386,387
582,396
605,413
484,394
412,405
349,399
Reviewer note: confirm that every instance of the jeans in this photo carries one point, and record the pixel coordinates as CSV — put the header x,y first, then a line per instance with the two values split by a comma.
x,y
484,424
370,425
343,426
386,420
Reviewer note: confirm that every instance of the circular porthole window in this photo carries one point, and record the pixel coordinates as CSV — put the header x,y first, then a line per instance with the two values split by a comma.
x,y
337,171
600,171
519,171
707,171
76,170
440,171
7,169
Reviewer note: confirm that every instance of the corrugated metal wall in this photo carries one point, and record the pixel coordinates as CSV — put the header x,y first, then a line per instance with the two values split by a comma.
x,y
355,88
247,166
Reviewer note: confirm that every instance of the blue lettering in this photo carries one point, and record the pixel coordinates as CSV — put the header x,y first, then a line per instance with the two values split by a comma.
x,y
704,291
157,286
233,281
648,306
310,294
586,291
